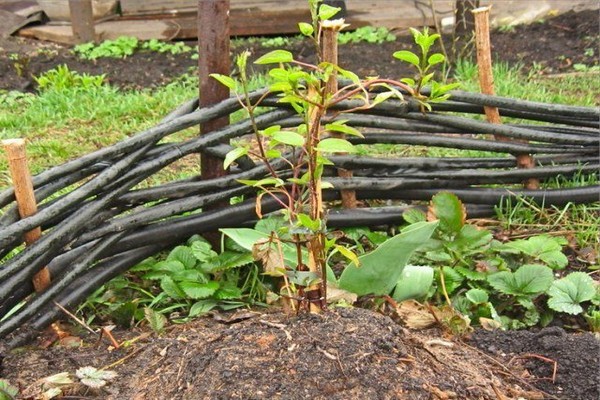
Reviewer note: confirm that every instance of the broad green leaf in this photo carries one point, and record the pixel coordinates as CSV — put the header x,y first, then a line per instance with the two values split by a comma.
x,y
408,81
326,11
289,137
225,80
477,296
306,29
171,288
246,238
275,57
263,182
436,58
528,280
202,250
341,127
414,283
184,255
567,294
471,274
164,268
408,56
381,97
156,320
449,210
228,292
335,145
233,155
199,290
380,270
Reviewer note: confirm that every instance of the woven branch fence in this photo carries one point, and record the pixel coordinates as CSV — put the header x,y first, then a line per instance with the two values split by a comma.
x,y
107,224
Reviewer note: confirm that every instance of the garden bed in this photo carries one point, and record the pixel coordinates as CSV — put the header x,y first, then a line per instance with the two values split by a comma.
x,y
347,353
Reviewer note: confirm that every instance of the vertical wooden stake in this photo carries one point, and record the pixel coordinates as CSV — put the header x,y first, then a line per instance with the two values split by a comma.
x,y
486,83
19,171
329,48
82,20
213,46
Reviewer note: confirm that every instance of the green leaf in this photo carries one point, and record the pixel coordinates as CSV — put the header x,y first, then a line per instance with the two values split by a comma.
x,y
528,280
164,268
202,307
306,29
289,137
225,80
171,288
380,270
196,290
246,238
349,254
156,320
275,57
408,56
326,11
408,81
413,215
449,210
7,391
233,155
414,283
184,255
335,145
477,296
436,58
567,294
340,126
307,222
202,250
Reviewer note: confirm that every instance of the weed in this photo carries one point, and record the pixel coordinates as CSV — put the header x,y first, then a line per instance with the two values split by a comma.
x,y
62,78
367,34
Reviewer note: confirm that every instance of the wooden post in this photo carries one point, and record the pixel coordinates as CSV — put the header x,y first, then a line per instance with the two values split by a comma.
x,y
82,20
486,84
19,171
329,48
213,46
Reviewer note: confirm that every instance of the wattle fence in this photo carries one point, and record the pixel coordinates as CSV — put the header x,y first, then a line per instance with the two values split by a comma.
x,y
107,224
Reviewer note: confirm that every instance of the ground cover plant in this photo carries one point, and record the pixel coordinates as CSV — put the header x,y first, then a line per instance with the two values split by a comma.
x,y
511,294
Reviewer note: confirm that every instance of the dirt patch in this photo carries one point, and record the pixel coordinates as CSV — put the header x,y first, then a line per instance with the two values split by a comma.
x,y
344,354
549,46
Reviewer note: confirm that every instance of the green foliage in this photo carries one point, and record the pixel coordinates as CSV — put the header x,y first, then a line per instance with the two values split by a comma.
x,y
368,34
191,280
7,391
62,78
423,63
543,248
567,294
414,283
379,271
125,46
511,283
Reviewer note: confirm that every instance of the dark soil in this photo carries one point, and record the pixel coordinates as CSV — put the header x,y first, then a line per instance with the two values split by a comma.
x,y
551,46
345,354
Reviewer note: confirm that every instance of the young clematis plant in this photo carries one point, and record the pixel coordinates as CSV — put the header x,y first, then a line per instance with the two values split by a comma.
x,y
304,149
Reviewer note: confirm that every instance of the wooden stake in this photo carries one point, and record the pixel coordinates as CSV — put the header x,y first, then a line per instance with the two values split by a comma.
x,y
19,171
486,84
329,48
82,21
213,47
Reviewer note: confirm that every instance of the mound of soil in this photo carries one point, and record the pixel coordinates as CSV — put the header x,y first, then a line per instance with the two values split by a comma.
x,y
347,353
550,46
